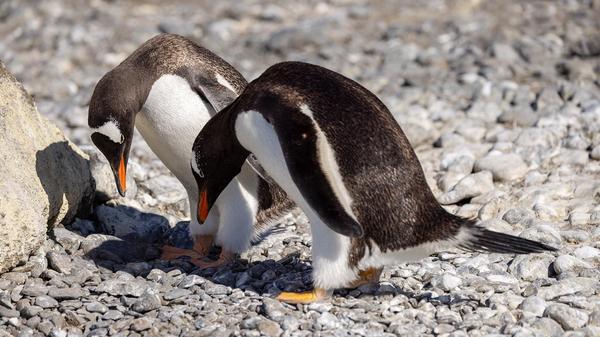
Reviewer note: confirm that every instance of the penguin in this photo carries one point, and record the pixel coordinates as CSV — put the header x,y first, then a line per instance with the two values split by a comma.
x,y
340,155
168,89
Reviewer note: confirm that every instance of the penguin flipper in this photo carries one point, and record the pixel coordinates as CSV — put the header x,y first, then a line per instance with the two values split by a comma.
x,y
217,95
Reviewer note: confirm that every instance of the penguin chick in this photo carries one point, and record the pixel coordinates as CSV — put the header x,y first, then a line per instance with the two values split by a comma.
x,y
339,154
168,89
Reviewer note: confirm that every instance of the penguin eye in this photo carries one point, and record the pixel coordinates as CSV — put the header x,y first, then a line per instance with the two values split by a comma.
x,y
122,139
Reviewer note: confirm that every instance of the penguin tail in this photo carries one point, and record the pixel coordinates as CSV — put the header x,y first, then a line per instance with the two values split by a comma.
x,y
487,241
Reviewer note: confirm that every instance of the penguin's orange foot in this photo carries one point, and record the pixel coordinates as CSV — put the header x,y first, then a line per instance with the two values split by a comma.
x,y
170,253
306,297
225,258
367,276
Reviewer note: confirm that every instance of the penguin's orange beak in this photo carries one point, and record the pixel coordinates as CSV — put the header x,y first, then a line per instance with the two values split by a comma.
x,y
122,176
203,207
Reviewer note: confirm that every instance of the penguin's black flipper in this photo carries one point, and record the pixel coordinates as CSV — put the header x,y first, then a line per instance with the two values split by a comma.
x,y
484,240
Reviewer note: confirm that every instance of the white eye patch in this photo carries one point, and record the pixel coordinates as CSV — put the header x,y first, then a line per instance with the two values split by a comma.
x,y
196,168
111,130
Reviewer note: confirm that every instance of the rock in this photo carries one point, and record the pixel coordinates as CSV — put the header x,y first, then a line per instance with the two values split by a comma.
x,y
569,318
269,328
521,115
567,286
534,305
8,313
67,239
471,186
595,154
66,293
141,324
44,178
46,302
59,262
190,281
505,52
516,215
504,167
568,263
125,222
113,315
327,321
531,267
123,286
114,249
176,293
217,289
446,282
166,189
587,252
548,327
104,178
273,309
96,307
148,301
34,290
543,233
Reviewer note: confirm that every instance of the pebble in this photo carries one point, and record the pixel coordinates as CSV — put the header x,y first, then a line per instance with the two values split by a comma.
x,y
141,324
46,302
569,318
66,293
504,167
446,282
269,328
534,305
471,186
96,307
176,293
568,263
60,263
586,252
531,267
146,302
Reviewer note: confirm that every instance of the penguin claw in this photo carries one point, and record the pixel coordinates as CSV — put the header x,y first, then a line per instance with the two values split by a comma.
x,y
367,276
225,258
305,297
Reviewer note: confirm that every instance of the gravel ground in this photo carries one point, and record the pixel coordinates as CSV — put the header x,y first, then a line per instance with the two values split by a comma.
x,y
501,99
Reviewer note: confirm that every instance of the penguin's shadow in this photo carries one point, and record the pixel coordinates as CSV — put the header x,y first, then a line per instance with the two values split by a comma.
x,y
137,257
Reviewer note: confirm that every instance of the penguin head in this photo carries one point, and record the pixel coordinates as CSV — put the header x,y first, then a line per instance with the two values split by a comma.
x,y
111,117
216,159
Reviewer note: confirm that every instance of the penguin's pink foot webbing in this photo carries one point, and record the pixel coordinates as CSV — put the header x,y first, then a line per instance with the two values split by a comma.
x,y
305,297
225,258
202,244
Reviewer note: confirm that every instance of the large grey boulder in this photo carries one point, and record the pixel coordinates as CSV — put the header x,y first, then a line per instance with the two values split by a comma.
x,y
44,178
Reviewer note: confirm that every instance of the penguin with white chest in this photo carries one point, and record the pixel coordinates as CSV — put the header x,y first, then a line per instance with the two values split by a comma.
x,y
339,154
168,89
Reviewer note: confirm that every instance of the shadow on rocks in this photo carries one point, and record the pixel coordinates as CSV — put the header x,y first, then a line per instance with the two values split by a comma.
x,y
64,175
139,257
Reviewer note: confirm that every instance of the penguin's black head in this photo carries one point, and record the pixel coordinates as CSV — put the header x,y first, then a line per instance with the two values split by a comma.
x,y
111,117
217,157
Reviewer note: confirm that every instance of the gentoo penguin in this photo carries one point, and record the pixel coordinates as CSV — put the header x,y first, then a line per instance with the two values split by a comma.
x,y
169,88
338,153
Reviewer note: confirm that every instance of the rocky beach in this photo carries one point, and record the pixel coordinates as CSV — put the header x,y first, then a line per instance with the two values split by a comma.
x,y
500,99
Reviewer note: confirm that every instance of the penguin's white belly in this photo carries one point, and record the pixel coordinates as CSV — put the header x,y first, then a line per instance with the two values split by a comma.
x,y
170,121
